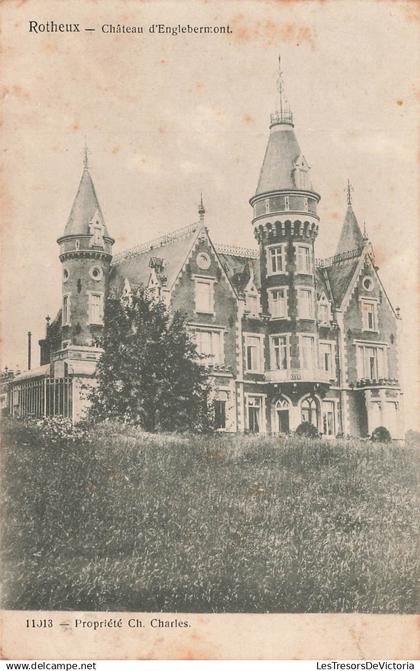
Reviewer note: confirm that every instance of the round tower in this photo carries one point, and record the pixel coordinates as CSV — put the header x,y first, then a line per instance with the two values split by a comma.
x,y
85,254
285,223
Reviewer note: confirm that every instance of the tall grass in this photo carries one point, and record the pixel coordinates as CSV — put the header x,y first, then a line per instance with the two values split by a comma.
x,y
122,520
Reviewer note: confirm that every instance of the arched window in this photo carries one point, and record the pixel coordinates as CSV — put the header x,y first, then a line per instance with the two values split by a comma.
x,y
310,411
281,418
282,404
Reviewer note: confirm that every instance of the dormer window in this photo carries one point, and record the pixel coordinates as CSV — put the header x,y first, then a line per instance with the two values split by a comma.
x,y
96,229
324,310
252,303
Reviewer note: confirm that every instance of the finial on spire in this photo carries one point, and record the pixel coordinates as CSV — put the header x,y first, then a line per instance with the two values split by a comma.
x,y
365,235
201,210
85,156
282,113
349,189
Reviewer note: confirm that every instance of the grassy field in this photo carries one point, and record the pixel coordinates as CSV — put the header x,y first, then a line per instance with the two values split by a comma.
x,y
122,520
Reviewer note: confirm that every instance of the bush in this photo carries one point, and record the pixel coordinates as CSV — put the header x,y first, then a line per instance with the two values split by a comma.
x,y
307,430
381,435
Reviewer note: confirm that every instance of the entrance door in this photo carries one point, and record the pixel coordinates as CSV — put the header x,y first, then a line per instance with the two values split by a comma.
x,y
282,413
283,421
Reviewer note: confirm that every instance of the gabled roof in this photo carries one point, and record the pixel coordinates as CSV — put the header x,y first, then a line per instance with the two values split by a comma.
x,y
351,236
322,284
279,160
238,268
171,251
340,274
85,208
135,264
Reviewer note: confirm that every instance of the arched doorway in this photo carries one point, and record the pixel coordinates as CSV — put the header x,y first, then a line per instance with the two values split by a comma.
x,y
309,410
282,415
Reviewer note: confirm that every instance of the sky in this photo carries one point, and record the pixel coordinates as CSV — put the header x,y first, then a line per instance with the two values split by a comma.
x,y
167,117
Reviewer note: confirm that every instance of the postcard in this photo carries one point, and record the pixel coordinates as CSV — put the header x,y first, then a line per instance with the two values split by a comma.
x,y
209,355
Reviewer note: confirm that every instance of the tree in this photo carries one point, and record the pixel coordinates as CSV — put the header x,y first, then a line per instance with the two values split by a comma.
x,y
149,372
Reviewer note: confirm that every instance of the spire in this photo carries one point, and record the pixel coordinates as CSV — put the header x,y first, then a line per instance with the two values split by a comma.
x,y
365,235
86,206
283,114
351,236
349,189
85,157
284,167
201,210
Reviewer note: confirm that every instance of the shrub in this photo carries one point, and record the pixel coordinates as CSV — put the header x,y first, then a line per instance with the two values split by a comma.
x,y
381,435
307,430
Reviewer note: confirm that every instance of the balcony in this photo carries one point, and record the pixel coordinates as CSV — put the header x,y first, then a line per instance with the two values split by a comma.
x,y
380,382
299,375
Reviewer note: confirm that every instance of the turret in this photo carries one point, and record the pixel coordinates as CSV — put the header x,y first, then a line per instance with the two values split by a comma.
x,y
285,223
351,237
85,254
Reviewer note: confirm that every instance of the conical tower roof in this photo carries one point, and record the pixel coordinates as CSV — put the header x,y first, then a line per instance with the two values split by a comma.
x,y
85,207
283,158
279,161
351,236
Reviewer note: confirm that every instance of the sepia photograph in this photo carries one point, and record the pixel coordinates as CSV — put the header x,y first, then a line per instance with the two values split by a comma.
x,y
209,346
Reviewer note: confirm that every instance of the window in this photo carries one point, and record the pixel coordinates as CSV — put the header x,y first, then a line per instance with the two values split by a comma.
x,y
371,362
254,353
96,310
66,310
65,275
367,283
210,345
204,296
309,411
324,311
307,352
277,303
276,262
328,418
252,303
286,203
203,261
96,273
369,315
303,259
255,414
305,204
279,352
305,303
219,414
326,357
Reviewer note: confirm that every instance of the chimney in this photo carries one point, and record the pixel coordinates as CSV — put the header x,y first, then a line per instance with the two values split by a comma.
x,y
29,350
